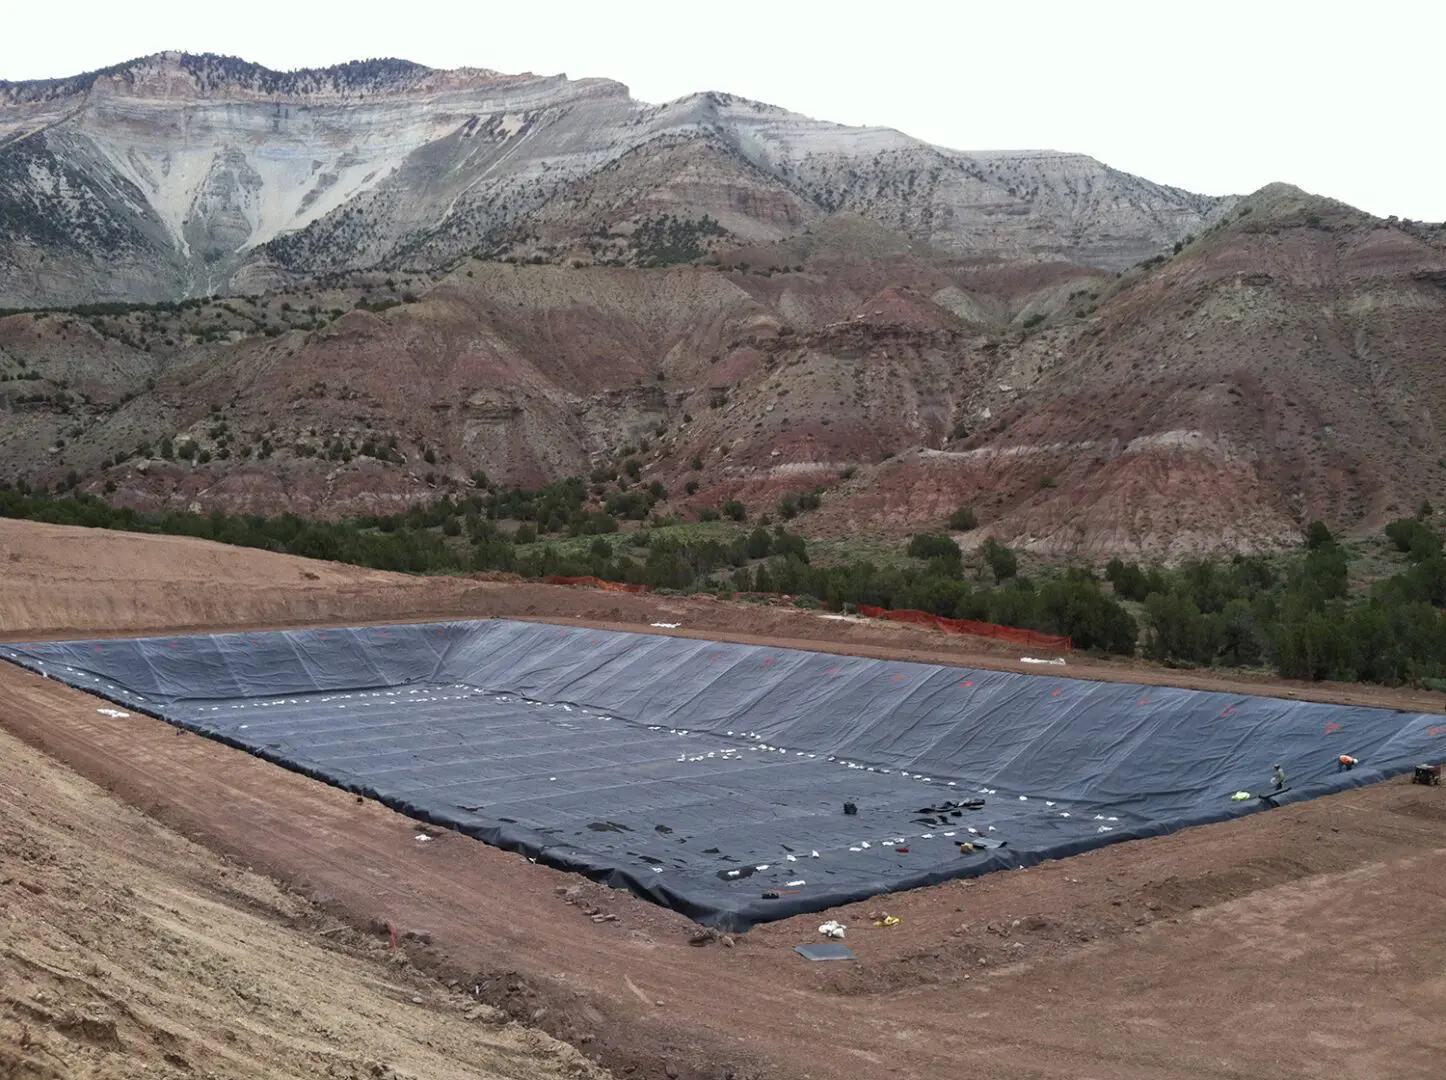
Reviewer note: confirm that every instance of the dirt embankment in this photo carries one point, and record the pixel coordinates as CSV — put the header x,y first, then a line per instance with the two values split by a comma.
x,y
132,951
58,579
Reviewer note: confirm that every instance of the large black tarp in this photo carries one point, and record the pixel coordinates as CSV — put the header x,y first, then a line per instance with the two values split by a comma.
x,y
704,775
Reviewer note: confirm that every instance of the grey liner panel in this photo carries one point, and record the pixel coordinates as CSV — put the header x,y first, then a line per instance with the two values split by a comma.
x,y
703,775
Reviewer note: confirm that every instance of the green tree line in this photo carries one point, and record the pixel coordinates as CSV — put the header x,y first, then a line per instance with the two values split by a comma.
x,y
1299,616
1295,614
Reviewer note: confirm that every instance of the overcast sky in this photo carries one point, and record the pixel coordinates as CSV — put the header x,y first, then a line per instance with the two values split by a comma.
x,y
1342,99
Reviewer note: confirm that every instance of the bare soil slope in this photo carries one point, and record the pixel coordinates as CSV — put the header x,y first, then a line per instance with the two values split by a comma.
x,y
131,951
58,578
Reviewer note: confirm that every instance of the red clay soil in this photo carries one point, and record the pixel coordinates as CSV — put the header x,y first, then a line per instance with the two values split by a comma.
x,y
1308,941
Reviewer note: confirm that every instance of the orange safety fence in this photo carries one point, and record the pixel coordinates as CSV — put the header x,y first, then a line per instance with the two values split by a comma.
x,y
597,583
967,626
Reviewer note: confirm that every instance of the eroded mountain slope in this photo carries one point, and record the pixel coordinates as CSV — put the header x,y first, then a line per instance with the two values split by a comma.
x,y
176,175
1283,366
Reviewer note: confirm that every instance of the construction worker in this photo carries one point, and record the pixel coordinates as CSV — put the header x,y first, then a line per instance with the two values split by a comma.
x,y
1345,763
1279,775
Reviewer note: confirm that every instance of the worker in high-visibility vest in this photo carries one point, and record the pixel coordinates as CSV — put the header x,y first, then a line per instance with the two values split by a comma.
x,y
1279,775
1345,763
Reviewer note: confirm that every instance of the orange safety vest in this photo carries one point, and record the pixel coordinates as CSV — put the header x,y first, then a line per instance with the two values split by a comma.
x,y
1346,759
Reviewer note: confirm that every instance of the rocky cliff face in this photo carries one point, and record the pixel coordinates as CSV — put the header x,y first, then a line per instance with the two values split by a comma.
x,y
179,175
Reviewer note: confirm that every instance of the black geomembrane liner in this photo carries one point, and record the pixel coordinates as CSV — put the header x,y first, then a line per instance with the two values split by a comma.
x,y
711,778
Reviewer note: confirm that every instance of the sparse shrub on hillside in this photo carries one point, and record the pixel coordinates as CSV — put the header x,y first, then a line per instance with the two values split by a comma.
x,y
1413,536
1002,562
1129,581
963,519
667,239
798,502
735,510
595,524
632,505
789,545
1177,630
1322,575
1317,535
934,546
1076,607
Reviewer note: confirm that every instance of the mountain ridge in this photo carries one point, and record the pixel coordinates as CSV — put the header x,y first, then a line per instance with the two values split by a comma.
x,y
175,175
211,72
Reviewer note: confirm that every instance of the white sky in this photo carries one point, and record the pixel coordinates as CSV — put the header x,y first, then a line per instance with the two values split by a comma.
x,y
1221,96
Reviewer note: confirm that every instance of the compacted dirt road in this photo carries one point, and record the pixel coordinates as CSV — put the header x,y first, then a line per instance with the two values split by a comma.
x,y
1308,941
